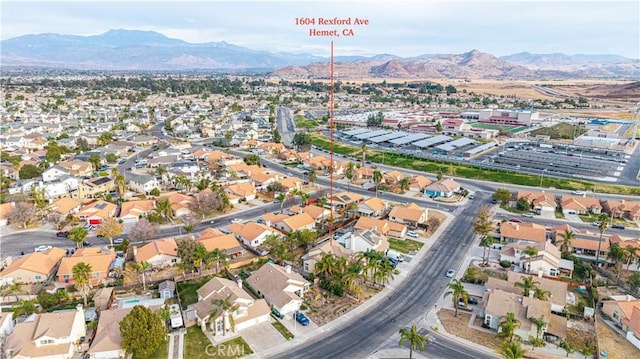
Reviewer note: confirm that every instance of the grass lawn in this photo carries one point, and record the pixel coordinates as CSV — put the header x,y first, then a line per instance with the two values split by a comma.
x,y
562,130
198,346
195,343
162,352
303,122
559,214
512,209
587,218
404,246
468,171
283,330
187,290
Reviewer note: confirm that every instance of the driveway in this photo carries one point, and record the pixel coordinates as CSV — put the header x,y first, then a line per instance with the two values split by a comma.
x,y
262,336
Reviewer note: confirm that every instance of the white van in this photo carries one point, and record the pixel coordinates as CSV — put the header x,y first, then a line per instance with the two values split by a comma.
x,y
395,255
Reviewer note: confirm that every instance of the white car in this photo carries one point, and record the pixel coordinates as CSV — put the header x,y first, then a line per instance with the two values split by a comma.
x,y
412,234
42,248
578,193
451,273
236,220
528,215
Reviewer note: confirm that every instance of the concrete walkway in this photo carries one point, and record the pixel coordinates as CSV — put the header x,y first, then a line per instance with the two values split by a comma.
x,y
176,345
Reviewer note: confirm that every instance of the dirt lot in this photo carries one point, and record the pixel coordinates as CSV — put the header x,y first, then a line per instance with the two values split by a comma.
x,y
459,326
325,307
614,344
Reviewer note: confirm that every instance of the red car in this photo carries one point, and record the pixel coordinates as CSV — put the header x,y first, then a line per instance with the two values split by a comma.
x,y
514,220
62,234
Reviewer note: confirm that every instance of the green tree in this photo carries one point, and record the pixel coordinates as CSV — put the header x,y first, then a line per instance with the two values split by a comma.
x,y
602,226
377,178
438,127
29,171
280,198
142,332
522,204
530,251
277,138
252,160
187,251
631,253
363,148
163,208
313,177
618,256
155,192
54,153
111,157
527,283
512,350
568,347
218,256
404,184
502,195
13,288
77,235
540,325
508,326
414,338
348,174
82,273
227,307
439,176
104,138
457,292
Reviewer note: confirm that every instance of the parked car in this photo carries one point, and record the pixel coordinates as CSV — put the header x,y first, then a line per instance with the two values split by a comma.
x,y
118,240
470,300
301,318
260,220
42,248
578,193
412,234
514,220
62,234
395,255
528,215
236,220
451,273
86,244
276,313
617,226
471,196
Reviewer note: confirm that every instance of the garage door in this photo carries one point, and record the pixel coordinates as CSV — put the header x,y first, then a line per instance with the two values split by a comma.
x,y
94,221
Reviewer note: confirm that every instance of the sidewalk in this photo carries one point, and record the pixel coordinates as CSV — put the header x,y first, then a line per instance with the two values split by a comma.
x,y
384,293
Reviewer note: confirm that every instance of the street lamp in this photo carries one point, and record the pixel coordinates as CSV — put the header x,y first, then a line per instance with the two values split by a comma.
x,y
542,176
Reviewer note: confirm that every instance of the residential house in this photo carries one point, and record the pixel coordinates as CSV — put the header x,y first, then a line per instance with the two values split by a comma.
x,y
365,223
98,259
410,214
291,183
143,183
66,206
548,261
130,212
622,209
586,244
539,201
262,180
282,288
443,188
319,214
364,240
96,212
363,174
272,148
47,335
392,177
498,303
624,311
244,191
160,253
296,222
418,183
344,199
522,232
580,205
36,267
248,312
54,173
251,234
314,255
78,168
179,203
559,295
94,188
228,243
372,207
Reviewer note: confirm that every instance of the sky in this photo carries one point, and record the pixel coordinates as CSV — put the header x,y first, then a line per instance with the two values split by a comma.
x,y
408,28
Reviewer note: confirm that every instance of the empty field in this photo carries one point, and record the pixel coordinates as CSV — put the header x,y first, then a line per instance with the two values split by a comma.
x,y
560,131
496,127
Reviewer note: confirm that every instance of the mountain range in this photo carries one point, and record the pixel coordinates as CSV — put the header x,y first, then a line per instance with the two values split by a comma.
x,y
134,50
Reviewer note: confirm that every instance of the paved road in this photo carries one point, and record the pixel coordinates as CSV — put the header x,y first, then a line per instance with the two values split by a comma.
x,y
420,291
285,124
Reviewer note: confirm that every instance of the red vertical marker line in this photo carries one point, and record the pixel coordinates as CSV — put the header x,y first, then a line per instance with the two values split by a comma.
x,y
331,149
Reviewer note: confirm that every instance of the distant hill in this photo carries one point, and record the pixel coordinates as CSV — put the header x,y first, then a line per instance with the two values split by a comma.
x,y
148,50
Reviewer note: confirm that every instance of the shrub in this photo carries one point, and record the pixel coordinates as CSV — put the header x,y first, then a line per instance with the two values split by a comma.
x,y
304,306
505,264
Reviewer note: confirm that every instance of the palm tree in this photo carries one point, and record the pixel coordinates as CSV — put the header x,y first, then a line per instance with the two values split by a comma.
x,y
348,174
325,266
512,350
567,237
313,177
384,272
377,178
508,326
404,184
121,186
414,338
364,153
163,207
322,201
351,277
527,284
617,254
541,294
82,277
281,197
631,253
142,268
539,323
485,243
14,288
227,308
483,226
457,292
218,256
530,251
602,226
24,307
199,257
